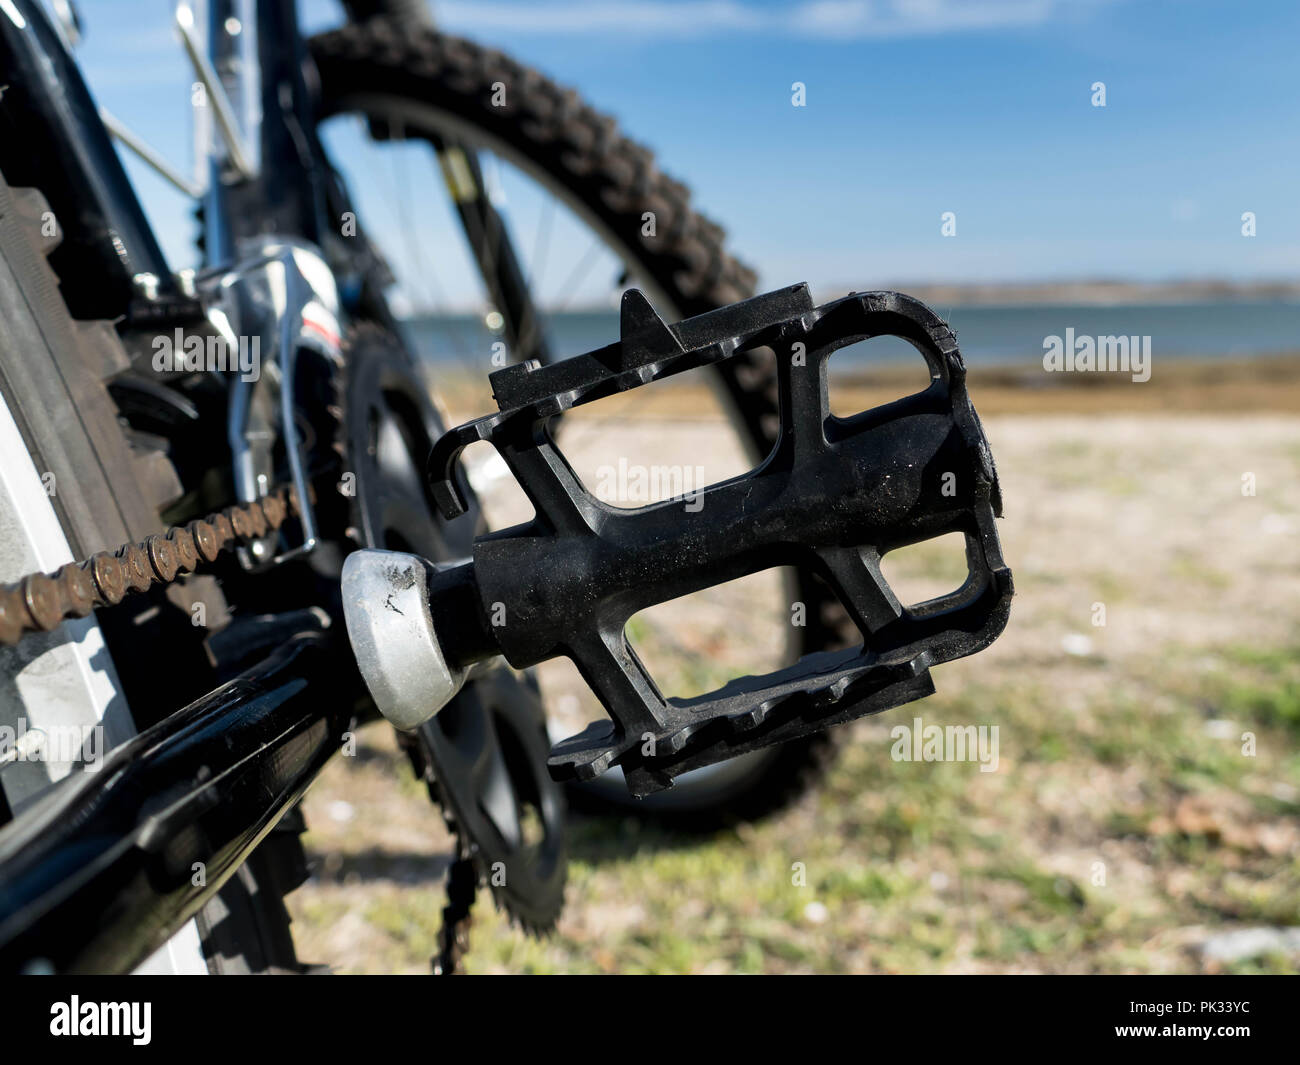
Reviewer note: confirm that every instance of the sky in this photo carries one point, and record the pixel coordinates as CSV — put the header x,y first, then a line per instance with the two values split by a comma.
x,y
913,108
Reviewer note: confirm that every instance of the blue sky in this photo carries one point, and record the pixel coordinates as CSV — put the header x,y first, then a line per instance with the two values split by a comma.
x,y
914,108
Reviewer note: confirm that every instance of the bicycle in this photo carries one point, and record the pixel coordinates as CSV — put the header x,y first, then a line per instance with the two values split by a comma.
x,y
300,492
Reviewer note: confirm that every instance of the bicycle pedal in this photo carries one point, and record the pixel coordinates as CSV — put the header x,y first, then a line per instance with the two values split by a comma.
x,y
834,495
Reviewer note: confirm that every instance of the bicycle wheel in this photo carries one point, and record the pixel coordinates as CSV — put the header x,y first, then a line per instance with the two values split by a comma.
x,y
567,166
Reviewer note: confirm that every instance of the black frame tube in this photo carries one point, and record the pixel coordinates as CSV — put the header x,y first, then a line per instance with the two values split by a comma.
x,y
104,869
59,144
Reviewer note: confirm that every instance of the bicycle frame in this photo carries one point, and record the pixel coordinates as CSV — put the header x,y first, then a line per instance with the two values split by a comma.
x,y
102,870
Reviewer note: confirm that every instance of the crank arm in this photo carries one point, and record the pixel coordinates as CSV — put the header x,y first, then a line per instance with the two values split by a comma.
x,y
833,497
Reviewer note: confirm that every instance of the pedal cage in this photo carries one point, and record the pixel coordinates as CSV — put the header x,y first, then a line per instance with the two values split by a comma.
x,y
834,495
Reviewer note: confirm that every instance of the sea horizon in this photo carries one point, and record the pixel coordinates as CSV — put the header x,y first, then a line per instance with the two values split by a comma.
x,y
1014,334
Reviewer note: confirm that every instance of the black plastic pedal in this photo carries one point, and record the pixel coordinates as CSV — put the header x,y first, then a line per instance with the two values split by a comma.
x,y
834,496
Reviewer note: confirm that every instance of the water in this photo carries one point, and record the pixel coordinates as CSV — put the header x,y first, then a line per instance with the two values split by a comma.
x,y
988,335
1206,330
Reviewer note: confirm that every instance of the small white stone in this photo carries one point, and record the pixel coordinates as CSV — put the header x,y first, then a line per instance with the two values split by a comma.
x,y
816,912
1274,525
1251,943
1077,644
1220,729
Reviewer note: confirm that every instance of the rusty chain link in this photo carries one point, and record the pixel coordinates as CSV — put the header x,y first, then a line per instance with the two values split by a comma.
x,y
40,602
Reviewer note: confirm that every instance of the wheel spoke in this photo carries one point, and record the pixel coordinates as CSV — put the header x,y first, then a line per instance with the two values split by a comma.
x,y
578,275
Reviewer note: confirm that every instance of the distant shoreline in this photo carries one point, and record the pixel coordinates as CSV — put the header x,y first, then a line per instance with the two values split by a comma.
x,y
1096,293
1245,386
1011,294
1251,385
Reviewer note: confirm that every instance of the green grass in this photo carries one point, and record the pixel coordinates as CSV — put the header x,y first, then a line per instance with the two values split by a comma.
x,y
905,867
927,867
1129,820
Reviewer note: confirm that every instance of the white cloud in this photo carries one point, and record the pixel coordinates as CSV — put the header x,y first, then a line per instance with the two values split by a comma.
x,y
854,19
899,18
687,18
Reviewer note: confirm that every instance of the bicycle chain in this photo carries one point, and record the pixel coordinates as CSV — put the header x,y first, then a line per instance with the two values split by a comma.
x,y
463,875
40,602
453,936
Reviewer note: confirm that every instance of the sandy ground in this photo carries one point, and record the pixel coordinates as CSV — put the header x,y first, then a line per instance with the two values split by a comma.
x,y
1146,799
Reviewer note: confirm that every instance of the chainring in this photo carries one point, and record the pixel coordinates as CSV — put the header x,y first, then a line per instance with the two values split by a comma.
x,y
484,754
489,747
